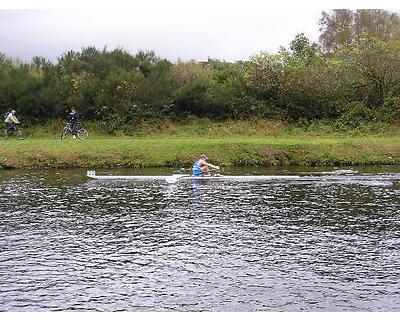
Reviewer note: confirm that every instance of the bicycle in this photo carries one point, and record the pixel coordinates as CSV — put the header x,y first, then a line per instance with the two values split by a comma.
x,y
82,133
13,131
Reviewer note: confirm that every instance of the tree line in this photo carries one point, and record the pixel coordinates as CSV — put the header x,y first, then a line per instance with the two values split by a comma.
x,y
350,76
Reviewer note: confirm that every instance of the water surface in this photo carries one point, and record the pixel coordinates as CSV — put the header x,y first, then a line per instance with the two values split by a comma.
x,y
326,242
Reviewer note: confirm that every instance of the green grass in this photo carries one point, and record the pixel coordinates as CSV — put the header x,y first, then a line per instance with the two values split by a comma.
x,y
229,143
172,151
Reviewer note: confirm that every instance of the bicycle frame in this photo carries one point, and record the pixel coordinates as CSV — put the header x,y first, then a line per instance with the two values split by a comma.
x,y
67,126
81,133
13,131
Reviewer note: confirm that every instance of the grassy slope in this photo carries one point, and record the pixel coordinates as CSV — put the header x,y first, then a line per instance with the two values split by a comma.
x,y
182,151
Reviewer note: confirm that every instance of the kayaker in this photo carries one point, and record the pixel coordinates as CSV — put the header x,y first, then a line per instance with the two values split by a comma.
x,y
201,166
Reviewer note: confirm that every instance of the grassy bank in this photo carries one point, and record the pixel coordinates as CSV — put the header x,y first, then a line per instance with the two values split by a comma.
x,y
157,151
231,128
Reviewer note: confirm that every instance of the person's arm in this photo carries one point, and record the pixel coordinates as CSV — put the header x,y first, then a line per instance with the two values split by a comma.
x,y
14,119
211,165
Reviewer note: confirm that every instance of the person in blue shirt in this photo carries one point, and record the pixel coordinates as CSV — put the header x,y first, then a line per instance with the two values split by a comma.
x,y
201,166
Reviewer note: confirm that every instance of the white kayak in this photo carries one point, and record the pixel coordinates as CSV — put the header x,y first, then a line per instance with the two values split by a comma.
x,y
175,177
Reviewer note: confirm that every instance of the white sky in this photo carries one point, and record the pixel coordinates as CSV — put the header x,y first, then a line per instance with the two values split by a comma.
x,y
228,30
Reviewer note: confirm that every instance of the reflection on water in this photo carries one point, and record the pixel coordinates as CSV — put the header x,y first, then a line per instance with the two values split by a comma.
x,y
322,243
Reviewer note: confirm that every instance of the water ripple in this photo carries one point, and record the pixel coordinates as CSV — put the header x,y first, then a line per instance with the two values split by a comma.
x,y
325,242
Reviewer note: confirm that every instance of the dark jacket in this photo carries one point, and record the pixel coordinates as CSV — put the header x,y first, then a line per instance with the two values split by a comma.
x,y
74,117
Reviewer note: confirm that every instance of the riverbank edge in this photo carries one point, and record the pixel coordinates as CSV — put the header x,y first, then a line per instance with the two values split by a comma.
x,y
181,152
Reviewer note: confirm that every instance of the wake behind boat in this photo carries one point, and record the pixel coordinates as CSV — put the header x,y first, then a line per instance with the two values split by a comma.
x,y
176,177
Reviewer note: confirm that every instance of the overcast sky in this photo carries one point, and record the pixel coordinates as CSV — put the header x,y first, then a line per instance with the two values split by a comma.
x,y
172,31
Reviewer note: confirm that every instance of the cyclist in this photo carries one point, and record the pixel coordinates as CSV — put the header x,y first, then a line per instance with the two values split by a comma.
x,y
73,116
11,122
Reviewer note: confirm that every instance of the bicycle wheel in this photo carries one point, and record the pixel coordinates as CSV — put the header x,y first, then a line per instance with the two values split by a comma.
x,y
64,133
6,135
83,134
20,134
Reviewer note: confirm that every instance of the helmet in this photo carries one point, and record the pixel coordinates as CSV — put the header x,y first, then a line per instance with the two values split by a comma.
x,y
203,156
13,111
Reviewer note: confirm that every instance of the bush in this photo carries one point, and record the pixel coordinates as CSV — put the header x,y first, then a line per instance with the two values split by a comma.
x,y
128,117
390,111
356,115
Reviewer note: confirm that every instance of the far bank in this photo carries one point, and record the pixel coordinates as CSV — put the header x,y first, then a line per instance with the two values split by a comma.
x,y
125,152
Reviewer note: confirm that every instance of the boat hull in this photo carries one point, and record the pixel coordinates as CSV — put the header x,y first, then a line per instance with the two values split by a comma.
x,y
175,177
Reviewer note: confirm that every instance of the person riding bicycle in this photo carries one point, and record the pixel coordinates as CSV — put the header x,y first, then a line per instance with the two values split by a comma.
x,y
11,122
74,122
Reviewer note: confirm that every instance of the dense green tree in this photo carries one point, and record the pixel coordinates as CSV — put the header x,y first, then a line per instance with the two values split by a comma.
x,y
302,48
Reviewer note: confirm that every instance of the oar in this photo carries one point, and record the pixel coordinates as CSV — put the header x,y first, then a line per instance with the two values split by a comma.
x,y
175,177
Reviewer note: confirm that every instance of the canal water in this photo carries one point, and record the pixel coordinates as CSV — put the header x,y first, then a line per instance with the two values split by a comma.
x,y
327,241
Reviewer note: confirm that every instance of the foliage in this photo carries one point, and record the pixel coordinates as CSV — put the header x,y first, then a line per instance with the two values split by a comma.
x,y
351,77
342,27
390,111
355,115
374,68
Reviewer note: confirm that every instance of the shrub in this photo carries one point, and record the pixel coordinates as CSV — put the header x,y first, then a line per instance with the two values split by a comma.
x,y
356,114
390,111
